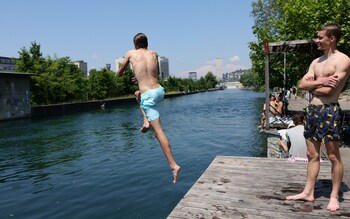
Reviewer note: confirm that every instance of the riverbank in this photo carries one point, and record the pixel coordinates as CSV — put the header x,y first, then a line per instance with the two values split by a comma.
x,y
66,108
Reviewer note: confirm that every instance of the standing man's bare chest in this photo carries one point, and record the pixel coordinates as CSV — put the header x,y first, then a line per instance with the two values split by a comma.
x,y
325,68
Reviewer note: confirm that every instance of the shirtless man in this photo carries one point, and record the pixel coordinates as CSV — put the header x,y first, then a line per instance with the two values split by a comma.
x,y
146,68
325,79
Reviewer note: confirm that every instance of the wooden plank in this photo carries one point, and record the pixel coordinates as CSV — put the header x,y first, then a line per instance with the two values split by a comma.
x,y
292,46
242,187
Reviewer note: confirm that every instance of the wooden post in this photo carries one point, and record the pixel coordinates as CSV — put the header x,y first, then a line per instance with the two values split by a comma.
x,y
267,84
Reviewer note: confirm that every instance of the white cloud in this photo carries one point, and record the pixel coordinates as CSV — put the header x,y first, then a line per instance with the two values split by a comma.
x,y
203,70
235,58
94,55
210,67
232,67
181,74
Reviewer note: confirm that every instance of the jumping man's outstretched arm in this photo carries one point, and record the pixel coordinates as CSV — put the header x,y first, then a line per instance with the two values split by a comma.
x,y
124,64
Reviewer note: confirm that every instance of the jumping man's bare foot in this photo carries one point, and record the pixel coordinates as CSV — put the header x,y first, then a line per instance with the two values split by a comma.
x,y
145,127
333,204
301,196
176,171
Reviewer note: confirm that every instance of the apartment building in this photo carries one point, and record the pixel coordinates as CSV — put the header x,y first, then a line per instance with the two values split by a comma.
x,y
7,64
83,67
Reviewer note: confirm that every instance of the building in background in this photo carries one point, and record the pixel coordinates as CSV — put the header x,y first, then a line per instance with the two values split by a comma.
x,y
234,76
218,67
108,67
83,67
192,75
163,67
7,64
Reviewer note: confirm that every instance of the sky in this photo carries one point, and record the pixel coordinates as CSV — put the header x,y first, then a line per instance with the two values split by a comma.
x,y
190,33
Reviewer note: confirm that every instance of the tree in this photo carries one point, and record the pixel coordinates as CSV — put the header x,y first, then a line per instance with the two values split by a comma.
x,y
250,79
210,80
30,61
56,81
286,20
124,84
71,79
172,84
189,85
61,81
101,84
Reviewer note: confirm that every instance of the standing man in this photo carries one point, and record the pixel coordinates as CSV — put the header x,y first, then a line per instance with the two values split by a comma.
x,y
146,68
325,79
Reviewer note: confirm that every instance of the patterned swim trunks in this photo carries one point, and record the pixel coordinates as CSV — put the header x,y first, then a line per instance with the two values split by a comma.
x,y
323,122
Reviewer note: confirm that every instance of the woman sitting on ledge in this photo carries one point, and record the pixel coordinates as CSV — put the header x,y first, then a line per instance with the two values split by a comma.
x,y
273,112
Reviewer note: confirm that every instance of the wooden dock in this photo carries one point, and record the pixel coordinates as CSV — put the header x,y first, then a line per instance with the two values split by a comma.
x,y
251,187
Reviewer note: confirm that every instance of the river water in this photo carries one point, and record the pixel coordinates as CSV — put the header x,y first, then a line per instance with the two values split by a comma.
x,y
97,164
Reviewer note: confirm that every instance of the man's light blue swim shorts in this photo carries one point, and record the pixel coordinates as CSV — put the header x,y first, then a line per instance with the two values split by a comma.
x,y
149,100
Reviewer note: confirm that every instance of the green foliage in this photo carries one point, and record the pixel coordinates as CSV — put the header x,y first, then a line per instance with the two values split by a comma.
x,y
189,85
101,84
60,81
172,84
210,80
56,80
125,85
286,20
250,79
104,84
32,60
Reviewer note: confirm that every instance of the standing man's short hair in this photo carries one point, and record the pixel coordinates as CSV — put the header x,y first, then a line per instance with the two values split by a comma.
x,y
140,41
332,29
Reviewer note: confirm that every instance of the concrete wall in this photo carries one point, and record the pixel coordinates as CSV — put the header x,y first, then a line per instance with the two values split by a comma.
x,y
273,149
62,109
14,96
13,104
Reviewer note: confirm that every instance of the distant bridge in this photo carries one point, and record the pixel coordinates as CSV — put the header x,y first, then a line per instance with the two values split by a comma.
x,y
233,85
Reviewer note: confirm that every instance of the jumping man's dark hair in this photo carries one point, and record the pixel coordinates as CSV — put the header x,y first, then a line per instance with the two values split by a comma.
x,y
140,41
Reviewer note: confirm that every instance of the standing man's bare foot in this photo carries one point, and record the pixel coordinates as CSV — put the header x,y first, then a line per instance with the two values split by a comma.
x,y
301,196
333,204
176,171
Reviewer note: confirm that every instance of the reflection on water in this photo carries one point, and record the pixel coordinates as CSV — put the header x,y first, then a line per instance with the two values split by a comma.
x,y
98,165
